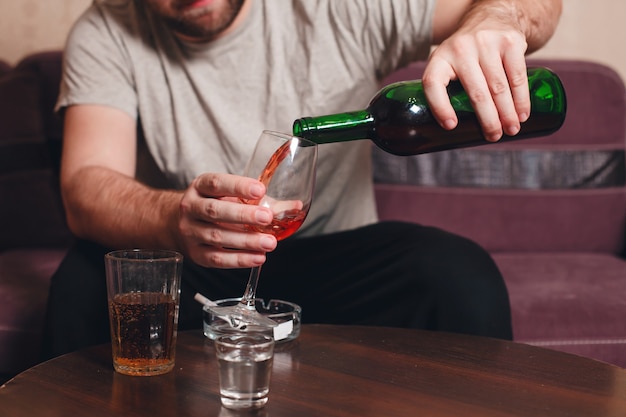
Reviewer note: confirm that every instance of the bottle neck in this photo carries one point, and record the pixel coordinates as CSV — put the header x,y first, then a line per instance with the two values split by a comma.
x,y
340,127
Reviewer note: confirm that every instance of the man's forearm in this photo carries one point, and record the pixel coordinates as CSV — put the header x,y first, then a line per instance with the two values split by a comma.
x,y
118,212
536,19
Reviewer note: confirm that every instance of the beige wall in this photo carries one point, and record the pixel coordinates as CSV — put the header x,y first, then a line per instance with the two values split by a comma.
x,y
35,25
593,30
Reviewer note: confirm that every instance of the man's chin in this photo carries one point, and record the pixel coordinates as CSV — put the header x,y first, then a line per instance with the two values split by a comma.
x,y
203,20
197,31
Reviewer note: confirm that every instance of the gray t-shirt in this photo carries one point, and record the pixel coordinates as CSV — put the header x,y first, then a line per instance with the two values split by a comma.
x,y
201,107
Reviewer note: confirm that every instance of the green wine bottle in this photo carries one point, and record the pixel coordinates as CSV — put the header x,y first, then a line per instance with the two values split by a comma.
x,y
399,121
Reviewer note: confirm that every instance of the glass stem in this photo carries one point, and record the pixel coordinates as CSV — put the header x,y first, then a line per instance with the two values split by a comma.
x,y
250,294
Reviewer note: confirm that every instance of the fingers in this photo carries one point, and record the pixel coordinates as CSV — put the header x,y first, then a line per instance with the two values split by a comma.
x,y
213,218
220,199
219,247
221,185
515,67
436,78
504,73
492,69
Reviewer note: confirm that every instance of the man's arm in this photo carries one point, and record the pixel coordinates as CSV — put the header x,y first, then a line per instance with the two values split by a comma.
x,y
483,44
105,204
535,19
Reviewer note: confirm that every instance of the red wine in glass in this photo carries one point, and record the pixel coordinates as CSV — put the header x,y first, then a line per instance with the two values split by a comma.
x,y
284,223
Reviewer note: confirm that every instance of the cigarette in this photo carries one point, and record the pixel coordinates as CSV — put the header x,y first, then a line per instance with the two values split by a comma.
x,y
203,300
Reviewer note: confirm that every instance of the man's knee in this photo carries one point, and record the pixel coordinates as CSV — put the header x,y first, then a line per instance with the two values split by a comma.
x,y
463,284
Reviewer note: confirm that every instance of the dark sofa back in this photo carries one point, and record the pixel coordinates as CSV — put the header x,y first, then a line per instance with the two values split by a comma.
x,y
31,213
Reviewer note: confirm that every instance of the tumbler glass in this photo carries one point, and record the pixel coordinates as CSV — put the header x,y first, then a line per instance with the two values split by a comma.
x,y
143,289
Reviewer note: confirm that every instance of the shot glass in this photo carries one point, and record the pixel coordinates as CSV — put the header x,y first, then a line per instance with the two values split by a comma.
x,y
245,367
143,289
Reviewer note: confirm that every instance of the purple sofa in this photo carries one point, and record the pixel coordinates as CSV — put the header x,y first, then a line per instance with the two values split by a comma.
x,y
560,249
33,234
552,211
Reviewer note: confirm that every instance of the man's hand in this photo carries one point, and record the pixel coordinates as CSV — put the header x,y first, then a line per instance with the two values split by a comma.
x,y
212,218
486,53
106,204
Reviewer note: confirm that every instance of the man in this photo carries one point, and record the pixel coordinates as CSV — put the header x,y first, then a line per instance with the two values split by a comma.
x,y
164,100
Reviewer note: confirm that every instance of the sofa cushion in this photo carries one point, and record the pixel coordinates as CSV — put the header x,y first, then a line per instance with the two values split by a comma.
x,y
24,284
575,302
32,214
586,220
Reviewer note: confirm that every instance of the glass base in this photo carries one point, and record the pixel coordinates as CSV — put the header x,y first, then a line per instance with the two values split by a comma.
x,y
244,403
149,369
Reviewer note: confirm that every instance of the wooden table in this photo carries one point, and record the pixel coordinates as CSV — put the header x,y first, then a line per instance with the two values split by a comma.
x,y
336,371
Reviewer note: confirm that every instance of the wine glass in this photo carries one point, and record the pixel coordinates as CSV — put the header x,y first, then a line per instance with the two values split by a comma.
x,y
286,166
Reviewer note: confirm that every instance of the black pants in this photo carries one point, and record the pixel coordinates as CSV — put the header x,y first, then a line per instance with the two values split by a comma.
x,y
388,274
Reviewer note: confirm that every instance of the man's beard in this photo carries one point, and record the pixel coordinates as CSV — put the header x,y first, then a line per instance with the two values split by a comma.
x,y
201,23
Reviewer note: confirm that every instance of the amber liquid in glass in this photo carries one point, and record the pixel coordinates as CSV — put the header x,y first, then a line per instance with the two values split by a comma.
x,y
145,322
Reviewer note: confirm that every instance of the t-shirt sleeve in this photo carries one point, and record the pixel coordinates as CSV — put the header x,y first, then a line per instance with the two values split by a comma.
x,y
96,66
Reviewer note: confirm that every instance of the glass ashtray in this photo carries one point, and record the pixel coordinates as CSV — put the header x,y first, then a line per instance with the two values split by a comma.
x,y
287,316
